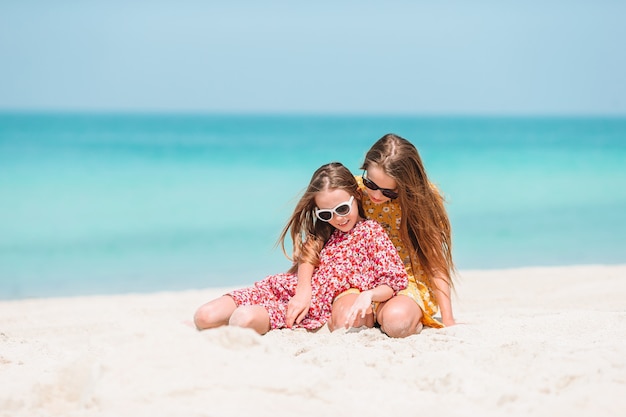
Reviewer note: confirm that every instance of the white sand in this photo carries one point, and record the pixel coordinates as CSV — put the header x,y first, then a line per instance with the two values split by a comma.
x,y
532,342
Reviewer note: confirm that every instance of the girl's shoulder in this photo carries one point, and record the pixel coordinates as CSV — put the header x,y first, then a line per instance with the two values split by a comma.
x,y
362,228
370,226
370,233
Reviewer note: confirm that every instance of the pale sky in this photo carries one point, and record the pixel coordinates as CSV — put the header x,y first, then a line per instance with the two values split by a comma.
x,y
411,57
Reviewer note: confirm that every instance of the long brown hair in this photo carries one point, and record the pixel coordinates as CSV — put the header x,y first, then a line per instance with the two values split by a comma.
x,y
309,235
424,228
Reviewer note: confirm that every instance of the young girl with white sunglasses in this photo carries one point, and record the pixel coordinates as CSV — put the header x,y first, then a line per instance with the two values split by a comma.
x,y
334,249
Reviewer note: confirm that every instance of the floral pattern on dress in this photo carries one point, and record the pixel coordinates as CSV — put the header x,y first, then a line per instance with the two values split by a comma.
x,y
362,258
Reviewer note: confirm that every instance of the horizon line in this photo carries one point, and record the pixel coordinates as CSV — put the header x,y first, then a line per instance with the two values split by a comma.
x,y
337,114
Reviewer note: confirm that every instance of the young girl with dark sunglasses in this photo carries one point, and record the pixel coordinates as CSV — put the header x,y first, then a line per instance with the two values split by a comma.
x,y
399,195
334,249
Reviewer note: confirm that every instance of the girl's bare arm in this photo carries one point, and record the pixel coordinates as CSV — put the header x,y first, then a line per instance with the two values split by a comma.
x,y
442,294
299,304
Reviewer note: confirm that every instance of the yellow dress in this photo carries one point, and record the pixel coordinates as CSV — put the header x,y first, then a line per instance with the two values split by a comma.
x,y
389,214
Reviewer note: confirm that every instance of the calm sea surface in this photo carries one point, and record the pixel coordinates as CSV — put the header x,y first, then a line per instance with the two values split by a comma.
x,y
93,204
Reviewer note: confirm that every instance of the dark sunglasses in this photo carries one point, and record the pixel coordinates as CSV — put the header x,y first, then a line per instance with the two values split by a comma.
x,y
387,192
341,209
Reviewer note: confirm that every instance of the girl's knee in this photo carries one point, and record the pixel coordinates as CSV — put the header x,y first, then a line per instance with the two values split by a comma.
x,y
337,319
400,322
242,317
214,313
340,310
208,316
400,328
251,317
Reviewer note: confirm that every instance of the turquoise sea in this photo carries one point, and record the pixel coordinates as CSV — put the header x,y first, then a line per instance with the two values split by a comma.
x,y
116,203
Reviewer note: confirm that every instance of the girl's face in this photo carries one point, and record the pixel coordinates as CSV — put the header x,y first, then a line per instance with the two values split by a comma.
x,y
331,202
380,180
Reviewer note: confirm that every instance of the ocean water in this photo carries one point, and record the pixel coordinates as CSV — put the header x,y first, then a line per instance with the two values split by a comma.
x,y
117,203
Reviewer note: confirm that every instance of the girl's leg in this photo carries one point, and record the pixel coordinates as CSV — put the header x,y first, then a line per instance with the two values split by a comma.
x,y
339,314
253,317
215,313
400,316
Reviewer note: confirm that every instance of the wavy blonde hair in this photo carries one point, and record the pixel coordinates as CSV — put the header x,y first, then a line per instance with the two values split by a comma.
x,y
308,234
425,227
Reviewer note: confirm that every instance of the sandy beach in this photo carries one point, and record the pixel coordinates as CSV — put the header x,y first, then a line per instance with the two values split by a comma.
x,y
530,342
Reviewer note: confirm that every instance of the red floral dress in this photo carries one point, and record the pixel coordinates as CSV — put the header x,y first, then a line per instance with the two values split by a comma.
x,y
362,258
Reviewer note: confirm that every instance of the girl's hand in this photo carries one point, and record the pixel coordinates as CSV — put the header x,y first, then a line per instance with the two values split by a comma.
x,y
362,306
297,308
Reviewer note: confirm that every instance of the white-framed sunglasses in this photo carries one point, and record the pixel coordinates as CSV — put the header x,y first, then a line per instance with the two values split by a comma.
x,y
341,209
